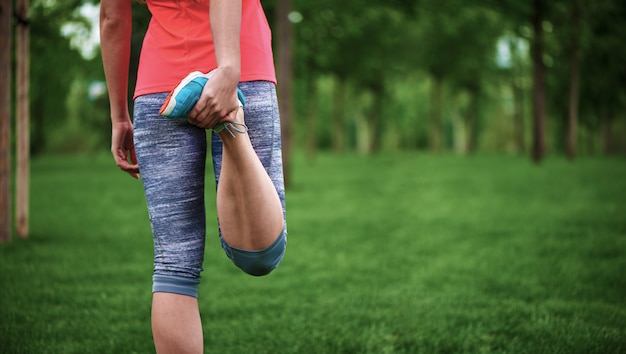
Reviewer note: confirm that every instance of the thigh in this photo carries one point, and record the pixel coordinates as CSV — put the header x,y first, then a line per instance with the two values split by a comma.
x,y
263,121
171,154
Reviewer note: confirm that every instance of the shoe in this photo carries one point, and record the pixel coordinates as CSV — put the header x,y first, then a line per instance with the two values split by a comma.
x,y
186,94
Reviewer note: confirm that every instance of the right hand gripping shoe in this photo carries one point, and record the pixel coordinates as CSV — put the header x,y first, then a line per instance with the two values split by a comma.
x,y
186,94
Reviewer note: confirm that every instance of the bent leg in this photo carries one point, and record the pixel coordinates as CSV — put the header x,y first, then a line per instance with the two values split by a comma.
x,y
250,187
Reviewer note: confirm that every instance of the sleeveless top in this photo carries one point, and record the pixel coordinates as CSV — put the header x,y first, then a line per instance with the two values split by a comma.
x,y
179,41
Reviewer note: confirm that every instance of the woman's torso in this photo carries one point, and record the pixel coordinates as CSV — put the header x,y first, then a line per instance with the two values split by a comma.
x,y
179,41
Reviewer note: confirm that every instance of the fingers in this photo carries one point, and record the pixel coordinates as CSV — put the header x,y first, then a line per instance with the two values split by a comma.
x,y
231,116
122,148
208,112
127,163
217,101
211,122
204,124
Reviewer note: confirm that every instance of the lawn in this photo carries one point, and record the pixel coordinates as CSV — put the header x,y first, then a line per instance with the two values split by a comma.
x,y
402,253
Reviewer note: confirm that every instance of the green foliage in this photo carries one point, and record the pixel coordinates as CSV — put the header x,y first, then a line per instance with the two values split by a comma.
x,y
603,83
381,59
53,67
64,118
402,253
86,126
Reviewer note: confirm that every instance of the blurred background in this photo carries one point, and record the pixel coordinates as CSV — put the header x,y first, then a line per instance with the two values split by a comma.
x,y
399,241
529,77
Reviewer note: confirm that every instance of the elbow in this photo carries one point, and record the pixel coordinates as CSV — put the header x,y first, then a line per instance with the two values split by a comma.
x,y
115,18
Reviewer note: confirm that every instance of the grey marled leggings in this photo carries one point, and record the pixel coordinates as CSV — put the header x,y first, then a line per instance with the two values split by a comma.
x,y
172,157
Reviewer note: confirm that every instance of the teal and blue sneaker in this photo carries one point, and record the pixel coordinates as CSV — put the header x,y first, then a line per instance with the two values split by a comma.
x,y
186,94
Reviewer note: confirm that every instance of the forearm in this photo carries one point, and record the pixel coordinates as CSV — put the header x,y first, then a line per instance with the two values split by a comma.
x,y
115,35
226,29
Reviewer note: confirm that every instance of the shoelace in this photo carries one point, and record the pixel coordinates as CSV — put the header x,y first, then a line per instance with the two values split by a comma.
x,y
235,126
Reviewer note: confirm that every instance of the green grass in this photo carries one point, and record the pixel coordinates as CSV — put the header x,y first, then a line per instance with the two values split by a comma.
x,y
405,253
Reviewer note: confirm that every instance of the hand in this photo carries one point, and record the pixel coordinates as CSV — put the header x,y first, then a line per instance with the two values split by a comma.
x,y
123,148
218,101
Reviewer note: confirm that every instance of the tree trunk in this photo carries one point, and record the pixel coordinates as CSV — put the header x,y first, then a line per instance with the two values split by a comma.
x,y
539,85
590,140
471,121
435,114
518,118
6,13
607,133
23,124
375,119
339,119
518,74
575,54
284,64
311,121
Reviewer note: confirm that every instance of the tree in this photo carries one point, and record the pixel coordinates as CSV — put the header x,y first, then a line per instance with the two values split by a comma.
x,y
285,77
6,13
534,14
574,88
54,65
479,29
603,85
567,48
456,45
539,82
437,33
518,75
23,118
358,45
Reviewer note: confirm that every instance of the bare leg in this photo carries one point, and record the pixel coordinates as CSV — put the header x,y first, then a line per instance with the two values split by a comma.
x,y
176,324
248,206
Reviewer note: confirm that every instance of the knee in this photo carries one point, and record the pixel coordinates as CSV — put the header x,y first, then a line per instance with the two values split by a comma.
x,y
258,263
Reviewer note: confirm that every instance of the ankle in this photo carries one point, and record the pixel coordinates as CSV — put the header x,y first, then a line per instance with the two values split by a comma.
x,y
237,125
230,128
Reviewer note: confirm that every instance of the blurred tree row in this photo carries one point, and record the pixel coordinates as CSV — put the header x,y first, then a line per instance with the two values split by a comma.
x,y
484,75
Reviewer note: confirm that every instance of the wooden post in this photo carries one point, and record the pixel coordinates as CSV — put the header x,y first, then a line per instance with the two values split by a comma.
x,y
6,13
22,125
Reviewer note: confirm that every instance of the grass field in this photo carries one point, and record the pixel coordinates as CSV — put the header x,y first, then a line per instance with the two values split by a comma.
x,y
406,253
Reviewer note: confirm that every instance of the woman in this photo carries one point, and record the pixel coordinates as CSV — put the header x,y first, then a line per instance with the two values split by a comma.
x,y
231,39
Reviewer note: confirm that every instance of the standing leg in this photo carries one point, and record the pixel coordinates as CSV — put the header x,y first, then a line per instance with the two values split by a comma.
x,y
176,324
171,156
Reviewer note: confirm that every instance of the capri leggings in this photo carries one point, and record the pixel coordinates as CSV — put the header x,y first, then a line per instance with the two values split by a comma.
x,y
172,156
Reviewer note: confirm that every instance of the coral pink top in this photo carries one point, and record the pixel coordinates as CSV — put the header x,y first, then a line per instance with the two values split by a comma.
x,y
179,41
